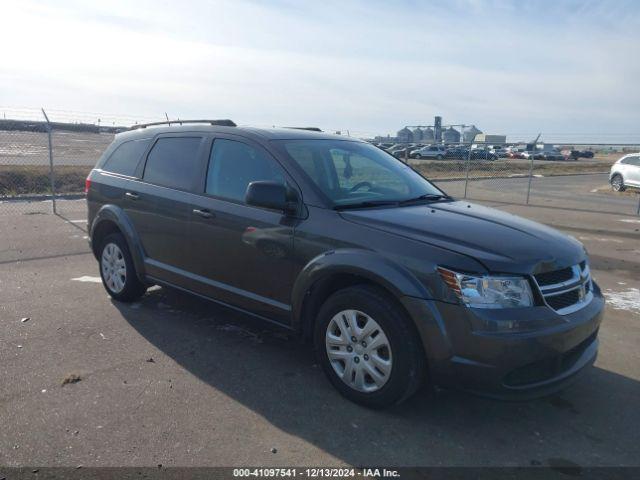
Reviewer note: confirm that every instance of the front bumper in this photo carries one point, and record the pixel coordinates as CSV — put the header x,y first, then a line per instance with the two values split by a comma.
x,y
507,365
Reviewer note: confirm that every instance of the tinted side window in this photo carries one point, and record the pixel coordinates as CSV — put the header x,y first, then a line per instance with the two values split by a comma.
x,y
173,162
233,165
125,158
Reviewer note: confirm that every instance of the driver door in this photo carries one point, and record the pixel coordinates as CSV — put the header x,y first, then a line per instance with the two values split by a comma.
x,y
242,255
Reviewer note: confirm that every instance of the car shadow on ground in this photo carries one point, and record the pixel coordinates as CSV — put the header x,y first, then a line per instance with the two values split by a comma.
x,y
591,423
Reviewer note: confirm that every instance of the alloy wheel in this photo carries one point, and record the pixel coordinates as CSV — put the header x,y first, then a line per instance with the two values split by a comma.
x,y
616,183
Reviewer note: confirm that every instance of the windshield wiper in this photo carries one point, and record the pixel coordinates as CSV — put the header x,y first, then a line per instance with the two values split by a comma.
x,y
366,204
432,197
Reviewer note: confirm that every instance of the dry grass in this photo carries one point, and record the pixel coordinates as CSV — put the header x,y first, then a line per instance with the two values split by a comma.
x,y
34,179
441,169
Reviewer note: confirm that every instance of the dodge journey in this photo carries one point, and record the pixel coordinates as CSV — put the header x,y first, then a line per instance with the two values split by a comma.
x,y
393,282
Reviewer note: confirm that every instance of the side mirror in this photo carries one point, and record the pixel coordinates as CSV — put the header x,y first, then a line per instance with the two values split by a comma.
x,y
271,195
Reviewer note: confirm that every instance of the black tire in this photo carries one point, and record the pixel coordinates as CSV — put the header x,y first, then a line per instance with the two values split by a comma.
x,y
439,157
618,187
133,288
409,362
418,156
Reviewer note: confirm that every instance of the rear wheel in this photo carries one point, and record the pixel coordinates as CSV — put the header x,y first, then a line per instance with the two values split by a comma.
x,y
117,270
617,183
439,157
368,348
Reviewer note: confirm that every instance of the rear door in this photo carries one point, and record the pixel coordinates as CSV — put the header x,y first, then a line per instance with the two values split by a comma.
x,y
242,255
160,204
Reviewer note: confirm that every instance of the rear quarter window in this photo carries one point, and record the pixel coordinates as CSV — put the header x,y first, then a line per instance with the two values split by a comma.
x,y
173,162
125,158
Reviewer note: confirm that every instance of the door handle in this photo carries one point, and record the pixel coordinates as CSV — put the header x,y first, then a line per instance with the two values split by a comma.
x,y
204,213
131,195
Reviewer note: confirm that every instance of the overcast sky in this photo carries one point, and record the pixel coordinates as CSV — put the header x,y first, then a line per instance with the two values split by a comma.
x,y
568,69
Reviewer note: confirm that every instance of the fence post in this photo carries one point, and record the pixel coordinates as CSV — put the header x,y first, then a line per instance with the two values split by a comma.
x,y
530,177
406,154
638,209
466,181
51,177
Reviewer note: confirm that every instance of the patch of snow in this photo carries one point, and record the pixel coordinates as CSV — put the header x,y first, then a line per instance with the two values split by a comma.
x,y
625,300
86,278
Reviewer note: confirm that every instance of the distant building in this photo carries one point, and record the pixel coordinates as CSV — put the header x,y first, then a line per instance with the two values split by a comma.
x,y
417,134
428,135
451,135
490,139
437,128
439,133
405,135
469,134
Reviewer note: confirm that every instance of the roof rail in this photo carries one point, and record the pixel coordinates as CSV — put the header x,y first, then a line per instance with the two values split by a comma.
x,y
311,129
223,123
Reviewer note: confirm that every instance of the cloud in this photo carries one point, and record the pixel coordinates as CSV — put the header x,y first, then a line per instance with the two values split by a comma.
x,y
370,67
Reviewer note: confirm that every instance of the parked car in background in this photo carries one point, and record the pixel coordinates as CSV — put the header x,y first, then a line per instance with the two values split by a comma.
x,y
519,154
403,153
576,154
625,173
432,151
502,152
483,154
459,153
552,155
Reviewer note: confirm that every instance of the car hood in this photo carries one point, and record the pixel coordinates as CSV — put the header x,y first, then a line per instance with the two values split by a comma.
x,y
502,242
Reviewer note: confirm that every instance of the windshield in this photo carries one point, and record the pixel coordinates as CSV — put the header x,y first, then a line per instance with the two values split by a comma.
x,y
353,173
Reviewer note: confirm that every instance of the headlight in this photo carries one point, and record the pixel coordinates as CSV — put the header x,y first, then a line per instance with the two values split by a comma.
x,y
489,291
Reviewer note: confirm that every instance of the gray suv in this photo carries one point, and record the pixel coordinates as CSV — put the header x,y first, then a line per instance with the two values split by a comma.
x,y
394,283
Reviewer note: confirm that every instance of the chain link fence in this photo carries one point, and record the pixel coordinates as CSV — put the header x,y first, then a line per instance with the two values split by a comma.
x,y
45,158
570,176
25,171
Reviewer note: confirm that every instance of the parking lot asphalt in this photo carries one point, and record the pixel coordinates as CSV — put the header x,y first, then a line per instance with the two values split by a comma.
x,y
589,192
178,381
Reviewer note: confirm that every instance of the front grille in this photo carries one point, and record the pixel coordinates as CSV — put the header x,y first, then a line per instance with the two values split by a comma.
x,y
557,276
566,290
564,300
549,367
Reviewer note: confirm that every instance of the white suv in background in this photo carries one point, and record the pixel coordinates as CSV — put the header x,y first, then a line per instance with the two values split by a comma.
x,y
625,172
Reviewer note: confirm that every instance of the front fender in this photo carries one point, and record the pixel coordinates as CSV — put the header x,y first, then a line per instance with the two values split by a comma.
x,y
117,216
367,264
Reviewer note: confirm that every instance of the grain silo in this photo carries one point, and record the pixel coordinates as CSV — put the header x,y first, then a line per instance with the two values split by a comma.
x,y
469,134
417,134
451,135
405,135
428,135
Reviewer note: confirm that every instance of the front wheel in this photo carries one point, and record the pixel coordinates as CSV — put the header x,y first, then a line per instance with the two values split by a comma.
x,y
617,183
117,270
439,157
368,347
